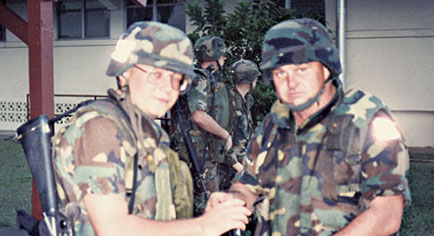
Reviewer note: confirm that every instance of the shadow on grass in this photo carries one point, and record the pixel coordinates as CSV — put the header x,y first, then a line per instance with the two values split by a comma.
x,y
15,190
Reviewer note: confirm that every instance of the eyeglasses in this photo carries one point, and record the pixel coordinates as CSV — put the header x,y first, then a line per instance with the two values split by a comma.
x,y
154,76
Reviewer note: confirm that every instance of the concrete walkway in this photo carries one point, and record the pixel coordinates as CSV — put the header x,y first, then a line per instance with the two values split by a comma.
x,y
12,232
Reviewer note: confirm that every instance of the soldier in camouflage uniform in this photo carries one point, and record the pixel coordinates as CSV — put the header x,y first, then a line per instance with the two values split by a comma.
x,y
207,103
245,74
115,172
322,162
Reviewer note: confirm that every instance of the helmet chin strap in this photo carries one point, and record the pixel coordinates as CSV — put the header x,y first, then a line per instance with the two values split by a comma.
x,y
310,101
219,65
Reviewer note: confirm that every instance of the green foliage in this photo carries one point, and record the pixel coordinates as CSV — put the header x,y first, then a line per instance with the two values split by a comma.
x,y
208,21
243,31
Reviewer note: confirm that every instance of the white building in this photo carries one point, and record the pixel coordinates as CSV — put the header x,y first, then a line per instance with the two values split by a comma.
x,y
389,52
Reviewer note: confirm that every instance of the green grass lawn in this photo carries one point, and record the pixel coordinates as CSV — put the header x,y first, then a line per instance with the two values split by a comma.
x,y
418,217
15,190
15,183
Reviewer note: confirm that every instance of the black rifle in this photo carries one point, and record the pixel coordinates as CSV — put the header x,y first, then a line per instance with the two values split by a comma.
x,y
35,139
184,127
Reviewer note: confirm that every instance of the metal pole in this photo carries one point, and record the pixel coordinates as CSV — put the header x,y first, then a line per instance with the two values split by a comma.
x,y
287,3
340,36
154,11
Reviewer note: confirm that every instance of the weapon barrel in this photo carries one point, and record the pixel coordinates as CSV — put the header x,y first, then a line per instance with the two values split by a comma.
x,y
34,137
189,144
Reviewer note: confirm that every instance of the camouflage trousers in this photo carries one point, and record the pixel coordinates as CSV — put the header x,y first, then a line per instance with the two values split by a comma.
x,y
210,177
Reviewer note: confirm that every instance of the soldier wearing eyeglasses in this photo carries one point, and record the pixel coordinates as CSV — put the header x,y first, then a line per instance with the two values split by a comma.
x,y
115,171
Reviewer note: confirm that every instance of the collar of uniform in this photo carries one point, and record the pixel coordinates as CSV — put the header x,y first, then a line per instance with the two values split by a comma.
x,y
152,129
321,114
149,127
280,114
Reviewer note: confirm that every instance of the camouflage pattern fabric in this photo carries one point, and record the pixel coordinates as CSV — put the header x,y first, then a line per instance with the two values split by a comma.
x,y
204,94
299,41
155,44
94,153
244,71
316,178
241,135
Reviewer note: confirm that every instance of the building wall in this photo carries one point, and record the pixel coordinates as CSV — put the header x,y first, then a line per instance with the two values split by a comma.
x,y
79,69
390,54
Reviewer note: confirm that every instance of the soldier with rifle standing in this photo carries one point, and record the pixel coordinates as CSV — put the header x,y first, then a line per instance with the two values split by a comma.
x,y
245,74
115,172
207,105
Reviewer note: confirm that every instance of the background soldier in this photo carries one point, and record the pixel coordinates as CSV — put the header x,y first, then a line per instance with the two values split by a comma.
x,y
323,162
245,74
207,103
116,174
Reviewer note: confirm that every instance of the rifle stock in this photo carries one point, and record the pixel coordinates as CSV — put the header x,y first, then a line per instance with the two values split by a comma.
x,y
35,139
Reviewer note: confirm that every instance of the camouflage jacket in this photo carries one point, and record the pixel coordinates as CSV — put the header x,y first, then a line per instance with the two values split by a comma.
x,y
210,96
316,178
242,125
94,153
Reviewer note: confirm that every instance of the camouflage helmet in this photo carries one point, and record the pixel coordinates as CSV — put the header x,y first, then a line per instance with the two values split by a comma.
x,y
155,44
299,41
244,71
209,48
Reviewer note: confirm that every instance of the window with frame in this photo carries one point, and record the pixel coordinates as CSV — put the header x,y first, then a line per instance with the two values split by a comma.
x,y
306,8
2,28
2,33
170,12
82,19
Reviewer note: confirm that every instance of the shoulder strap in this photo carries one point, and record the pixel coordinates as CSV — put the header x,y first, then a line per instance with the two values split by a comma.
x,y
232,112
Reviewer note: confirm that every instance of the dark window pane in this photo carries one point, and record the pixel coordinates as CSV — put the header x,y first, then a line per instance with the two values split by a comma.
x,y
69,17
172,15
165,1
168,11
69,5
97,23
93,4
138,14
2,33
70,24
309,8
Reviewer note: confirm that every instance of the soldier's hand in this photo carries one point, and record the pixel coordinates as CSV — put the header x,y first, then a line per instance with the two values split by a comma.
x,y
228,142
238,167
227,215
217,198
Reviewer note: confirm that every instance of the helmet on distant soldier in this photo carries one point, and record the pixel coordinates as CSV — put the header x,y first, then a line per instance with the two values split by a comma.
x,y
299,41
155,44
209,48
244,71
